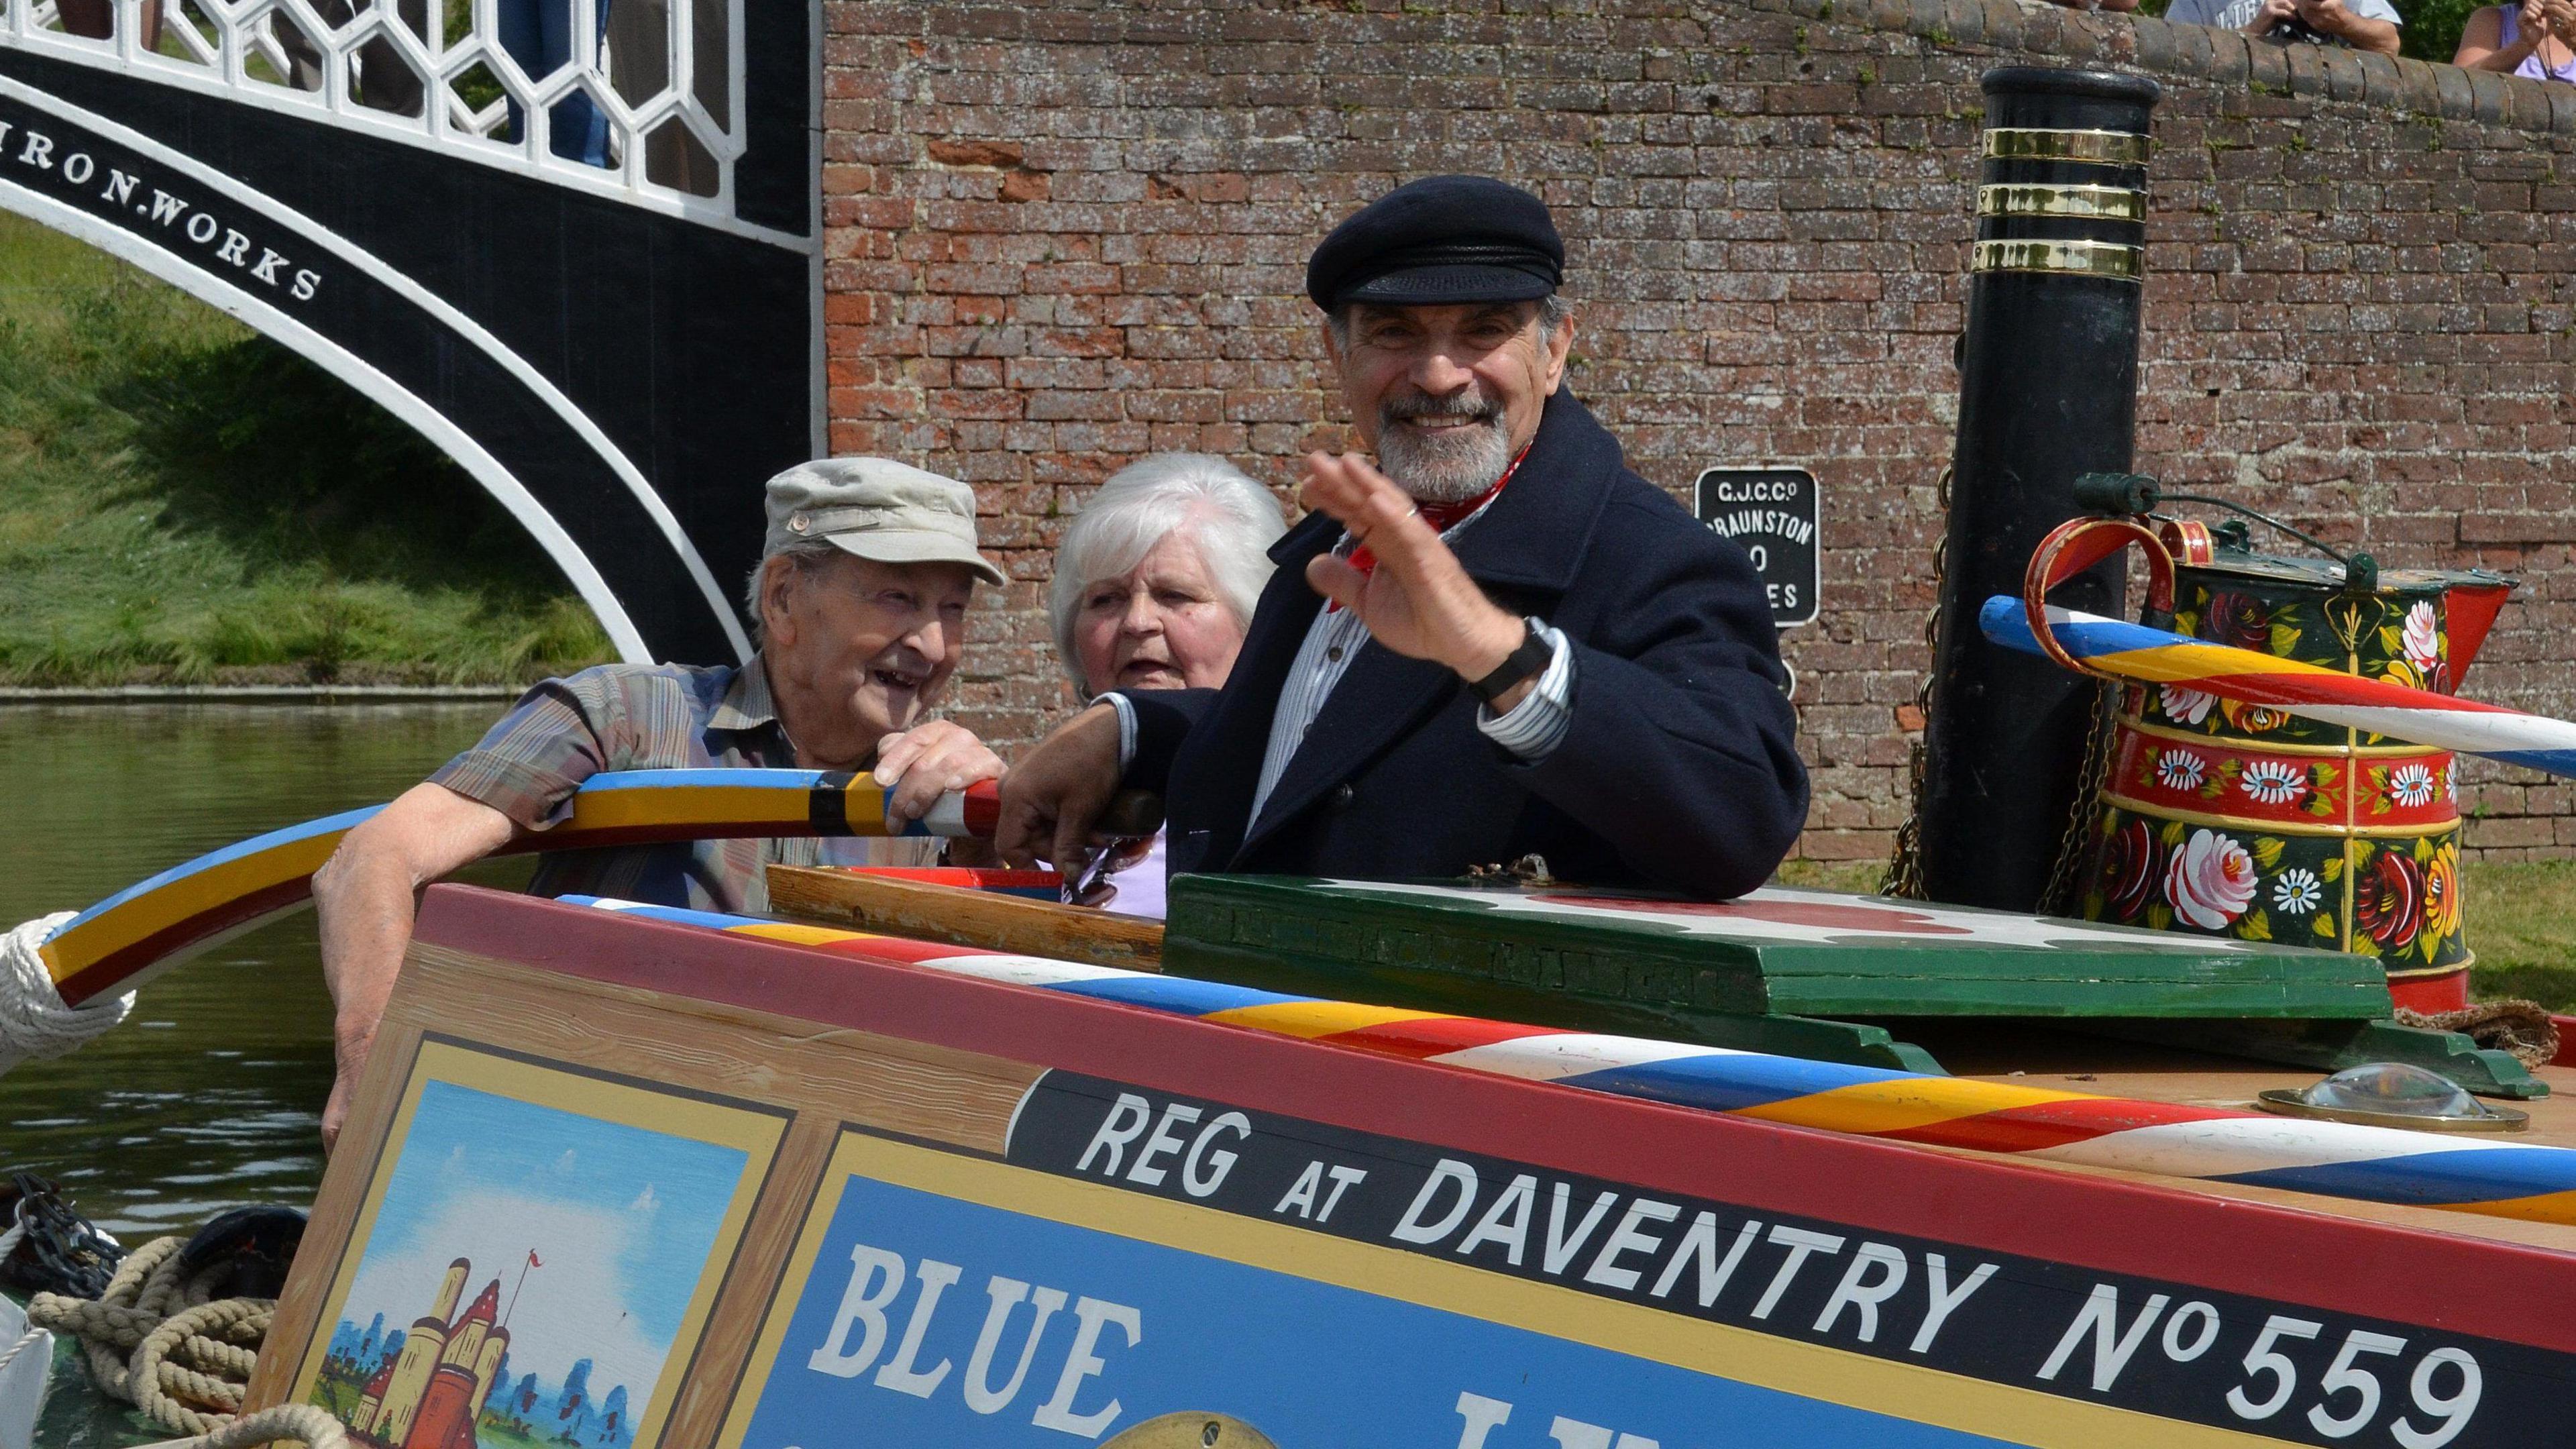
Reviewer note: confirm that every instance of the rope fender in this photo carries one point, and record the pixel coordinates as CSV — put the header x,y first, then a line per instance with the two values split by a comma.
x,y
154,1340
34,1022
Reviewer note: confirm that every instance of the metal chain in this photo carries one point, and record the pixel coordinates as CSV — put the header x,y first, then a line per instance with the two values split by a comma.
x,y
2066,873
1904,876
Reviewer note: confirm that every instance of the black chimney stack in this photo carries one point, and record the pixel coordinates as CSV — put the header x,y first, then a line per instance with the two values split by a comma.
x,y
2048,390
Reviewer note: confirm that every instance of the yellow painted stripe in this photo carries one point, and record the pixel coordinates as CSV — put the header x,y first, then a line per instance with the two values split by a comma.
x,y
181,900
2547,1207
2181,664
1311,1019
1901,1106
705,805
798,935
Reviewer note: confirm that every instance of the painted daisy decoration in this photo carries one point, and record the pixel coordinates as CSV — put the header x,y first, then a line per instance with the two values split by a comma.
x,y
2411,785
2297,892
2181,770
2273,782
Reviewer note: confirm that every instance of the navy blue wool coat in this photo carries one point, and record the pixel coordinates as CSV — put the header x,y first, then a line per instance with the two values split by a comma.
x,y
1678,770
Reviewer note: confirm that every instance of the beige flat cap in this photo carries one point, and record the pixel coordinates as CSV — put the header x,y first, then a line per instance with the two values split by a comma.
x,y
878,509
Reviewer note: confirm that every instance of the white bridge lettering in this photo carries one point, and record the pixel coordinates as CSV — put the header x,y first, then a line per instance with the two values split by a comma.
x,y
37,151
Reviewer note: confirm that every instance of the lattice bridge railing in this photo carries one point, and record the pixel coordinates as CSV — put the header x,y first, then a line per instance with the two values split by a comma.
x,y
639,99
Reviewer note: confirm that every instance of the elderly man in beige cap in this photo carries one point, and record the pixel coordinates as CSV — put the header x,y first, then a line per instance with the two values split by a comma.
x,y
860,600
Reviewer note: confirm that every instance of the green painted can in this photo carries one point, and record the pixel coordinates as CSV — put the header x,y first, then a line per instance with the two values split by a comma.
x,y
2242,822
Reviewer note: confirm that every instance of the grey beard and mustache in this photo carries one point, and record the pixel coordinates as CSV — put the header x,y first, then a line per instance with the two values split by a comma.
x,y
1445,467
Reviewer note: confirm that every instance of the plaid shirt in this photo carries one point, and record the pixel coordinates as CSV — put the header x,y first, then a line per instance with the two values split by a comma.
x,y
650,717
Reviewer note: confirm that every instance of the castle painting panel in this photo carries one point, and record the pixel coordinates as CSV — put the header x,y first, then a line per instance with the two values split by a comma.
x,y
535,1262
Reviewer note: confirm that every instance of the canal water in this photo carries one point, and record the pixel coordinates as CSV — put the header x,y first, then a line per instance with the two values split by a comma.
x,y
210,1095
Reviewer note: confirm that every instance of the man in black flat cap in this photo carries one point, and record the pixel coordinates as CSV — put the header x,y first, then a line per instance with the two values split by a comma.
x,y
1496,642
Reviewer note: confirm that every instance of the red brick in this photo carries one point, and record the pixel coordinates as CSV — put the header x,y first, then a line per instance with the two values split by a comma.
x,y
1059,236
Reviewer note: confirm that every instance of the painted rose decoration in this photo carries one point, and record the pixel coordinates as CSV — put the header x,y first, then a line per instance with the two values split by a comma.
x,y
2253,719
2388,900
2442,891
2129,861
2211,881
2185,706
2241,620
2421,638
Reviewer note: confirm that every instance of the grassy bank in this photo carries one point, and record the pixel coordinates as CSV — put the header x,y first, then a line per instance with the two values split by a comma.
x,y
2522,922
182,501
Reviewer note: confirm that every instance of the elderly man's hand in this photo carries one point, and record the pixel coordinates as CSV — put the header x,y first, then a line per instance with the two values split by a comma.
x,y
927,761
1058,791
1418,602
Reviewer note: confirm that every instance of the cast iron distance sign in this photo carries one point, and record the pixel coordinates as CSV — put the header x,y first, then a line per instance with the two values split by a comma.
x,y
1772,513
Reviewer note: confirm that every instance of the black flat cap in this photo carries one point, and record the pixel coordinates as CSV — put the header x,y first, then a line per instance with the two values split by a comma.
x,y
1438,240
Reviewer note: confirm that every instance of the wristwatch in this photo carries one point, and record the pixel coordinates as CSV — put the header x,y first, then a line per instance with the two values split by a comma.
x,y
1526,662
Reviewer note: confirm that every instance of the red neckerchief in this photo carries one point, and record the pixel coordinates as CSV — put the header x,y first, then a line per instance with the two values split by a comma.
x,y
1441,516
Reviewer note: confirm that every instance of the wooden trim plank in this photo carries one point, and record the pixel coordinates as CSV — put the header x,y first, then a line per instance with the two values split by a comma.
x,y
959,916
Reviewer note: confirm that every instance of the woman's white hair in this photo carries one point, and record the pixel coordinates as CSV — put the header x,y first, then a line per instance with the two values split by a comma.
x,y
1232,519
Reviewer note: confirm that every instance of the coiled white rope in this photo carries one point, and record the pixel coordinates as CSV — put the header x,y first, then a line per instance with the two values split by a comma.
x,y
155,1340
34,1023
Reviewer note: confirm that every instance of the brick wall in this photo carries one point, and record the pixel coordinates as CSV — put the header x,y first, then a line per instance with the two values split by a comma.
x,y
1061,236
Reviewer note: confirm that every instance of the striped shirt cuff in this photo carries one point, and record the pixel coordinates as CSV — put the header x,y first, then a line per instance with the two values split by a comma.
x,y
1537,725
1126,728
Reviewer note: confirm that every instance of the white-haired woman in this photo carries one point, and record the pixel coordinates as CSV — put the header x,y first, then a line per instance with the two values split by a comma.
x,y
1154,584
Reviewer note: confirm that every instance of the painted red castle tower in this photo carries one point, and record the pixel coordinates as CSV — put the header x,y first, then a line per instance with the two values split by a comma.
x,y
463,1378
429,1396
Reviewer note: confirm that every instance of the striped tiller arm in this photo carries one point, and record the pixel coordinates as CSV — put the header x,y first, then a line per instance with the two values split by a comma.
x,y
2157,656
152,925
2377,1164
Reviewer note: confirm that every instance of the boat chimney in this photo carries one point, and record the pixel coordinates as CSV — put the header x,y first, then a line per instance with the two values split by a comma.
x,y
2048,391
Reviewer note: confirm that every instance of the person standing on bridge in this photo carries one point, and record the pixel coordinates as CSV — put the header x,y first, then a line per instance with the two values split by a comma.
x,y
1496,641
860,598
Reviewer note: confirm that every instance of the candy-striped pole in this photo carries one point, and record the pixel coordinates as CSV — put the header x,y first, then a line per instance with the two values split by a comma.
x,y
2376,1164
2142,655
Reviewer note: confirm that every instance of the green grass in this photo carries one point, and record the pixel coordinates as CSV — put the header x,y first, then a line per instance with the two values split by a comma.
x,y
2521,921
1859,876
2522,924
183,501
